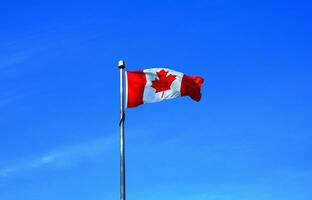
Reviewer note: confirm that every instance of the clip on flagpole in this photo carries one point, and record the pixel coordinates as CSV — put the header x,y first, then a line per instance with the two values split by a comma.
x,y
121,66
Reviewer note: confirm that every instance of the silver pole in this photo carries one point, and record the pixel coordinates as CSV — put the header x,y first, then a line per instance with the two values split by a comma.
x,y
121,66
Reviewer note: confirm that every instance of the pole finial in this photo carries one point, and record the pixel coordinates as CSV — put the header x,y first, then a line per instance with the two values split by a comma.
x,y
121,64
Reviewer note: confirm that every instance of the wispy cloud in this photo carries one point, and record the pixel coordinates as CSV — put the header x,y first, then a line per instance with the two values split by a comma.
x,y
4,101
64,156
16,58
21,47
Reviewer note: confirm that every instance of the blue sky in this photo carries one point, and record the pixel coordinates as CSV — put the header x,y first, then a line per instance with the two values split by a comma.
x,y
249,138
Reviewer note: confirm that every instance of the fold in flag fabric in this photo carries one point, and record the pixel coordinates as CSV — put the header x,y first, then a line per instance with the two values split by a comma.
x,y
158,84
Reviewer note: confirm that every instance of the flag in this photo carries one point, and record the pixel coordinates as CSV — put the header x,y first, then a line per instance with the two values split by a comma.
x,y
158,84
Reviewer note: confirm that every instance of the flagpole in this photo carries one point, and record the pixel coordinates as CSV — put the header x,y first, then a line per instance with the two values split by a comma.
x,y
121,66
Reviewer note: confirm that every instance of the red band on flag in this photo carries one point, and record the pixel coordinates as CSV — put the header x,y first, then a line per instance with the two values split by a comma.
x,y
191,85
136,81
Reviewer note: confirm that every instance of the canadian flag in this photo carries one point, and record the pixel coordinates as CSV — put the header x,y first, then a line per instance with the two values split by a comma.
x,y
158,84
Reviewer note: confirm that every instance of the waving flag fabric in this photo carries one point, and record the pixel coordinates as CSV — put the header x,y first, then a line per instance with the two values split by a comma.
x,y
158,84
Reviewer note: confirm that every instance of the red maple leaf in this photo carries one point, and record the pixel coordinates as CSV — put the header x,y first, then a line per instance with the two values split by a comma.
x,y
164,82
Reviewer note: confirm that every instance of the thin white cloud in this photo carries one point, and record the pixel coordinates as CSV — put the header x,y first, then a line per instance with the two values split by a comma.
x,y
62,156
26,45
16,58
4,101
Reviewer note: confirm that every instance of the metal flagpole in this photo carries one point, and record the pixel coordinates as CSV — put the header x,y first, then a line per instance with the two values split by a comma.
x,y
121,66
